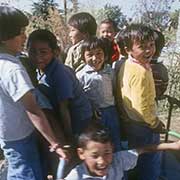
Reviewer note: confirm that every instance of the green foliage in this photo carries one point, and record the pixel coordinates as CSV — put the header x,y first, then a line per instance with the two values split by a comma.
x,y
112,12
40,8
174,19
54,23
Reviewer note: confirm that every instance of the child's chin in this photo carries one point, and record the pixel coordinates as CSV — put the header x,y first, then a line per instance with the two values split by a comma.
x,y
101,173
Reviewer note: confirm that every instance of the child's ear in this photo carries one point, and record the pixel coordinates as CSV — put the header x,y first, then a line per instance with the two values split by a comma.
x,y
80,152
126,49
57,52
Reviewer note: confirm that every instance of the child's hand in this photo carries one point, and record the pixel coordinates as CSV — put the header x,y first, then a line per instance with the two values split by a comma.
x,y
177,145
61,153
59,150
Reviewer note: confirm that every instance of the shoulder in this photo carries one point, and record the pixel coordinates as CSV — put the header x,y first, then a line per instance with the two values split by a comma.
x,y
75,48
85,71
76,173
127,159
136,71
11,68
56,68
9,63
135,67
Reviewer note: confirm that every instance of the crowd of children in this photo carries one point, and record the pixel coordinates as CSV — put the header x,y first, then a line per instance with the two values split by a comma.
x,y
105,88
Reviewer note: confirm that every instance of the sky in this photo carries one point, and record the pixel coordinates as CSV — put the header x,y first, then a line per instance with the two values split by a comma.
x,y
127,6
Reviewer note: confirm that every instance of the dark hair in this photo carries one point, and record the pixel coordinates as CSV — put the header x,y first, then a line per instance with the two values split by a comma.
x,y
111,22
94,42
44,36
11,22
137,33
94,132
84,22
120,41
159,43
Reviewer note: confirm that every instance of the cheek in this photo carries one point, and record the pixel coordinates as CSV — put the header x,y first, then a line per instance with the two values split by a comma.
x,y
110,157
87,60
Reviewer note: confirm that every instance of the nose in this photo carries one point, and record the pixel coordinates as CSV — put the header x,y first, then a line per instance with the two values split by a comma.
x,y
106,34
35,54
94,57
101,161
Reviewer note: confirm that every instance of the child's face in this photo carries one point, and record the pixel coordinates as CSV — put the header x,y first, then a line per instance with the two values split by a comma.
x,y
143,52
75,35
95,58
16,44
40,54
106,31
97,157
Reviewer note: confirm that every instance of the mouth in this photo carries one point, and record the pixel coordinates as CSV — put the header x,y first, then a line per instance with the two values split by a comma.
x,y
148,57
96,62
102,170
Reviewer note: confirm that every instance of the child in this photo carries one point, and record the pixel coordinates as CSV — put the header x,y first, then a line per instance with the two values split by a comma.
x,y
160,72
96,79
81,25
48,159
59,83
95,149
19,112
108,29
136,88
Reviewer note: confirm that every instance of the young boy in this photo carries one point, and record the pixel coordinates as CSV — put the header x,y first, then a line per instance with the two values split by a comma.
x,y
95,149
107,29
81,26
96,79
159,70
135,86
59,83
19,112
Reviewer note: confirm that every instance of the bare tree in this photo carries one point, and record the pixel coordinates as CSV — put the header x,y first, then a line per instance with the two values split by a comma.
x,y
155,12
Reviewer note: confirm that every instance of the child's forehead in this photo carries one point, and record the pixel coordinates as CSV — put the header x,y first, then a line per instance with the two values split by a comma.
x,y
106,25
94,49
90,145
72,27
143,41
40,43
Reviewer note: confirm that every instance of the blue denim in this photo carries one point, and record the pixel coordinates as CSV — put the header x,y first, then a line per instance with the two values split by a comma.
x,y
109,118
23,159
148,164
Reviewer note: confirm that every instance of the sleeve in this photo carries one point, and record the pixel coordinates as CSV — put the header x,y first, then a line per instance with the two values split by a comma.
x,y
41,100
73,175
17,83
74,58
63,84
128,159
143,97
69,58
91,89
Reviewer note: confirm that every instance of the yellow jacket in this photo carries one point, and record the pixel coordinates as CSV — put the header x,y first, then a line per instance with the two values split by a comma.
x,y
138,92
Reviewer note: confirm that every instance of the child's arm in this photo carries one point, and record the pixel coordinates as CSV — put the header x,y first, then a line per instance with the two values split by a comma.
x,y
66,118
40,121
160,147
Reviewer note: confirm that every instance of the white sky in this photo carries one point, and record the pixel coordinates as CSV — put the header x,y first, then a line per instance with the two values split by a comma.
x,y
127,6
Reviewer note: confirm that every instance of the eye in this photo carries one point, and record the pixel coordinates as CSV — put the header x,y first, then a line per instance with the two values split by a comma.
x,y
141,47
94,156
152,44
43,52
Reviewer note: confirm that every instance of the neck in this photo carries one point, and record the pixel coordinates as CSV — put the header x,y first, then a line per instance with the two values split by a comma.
x,y
3,49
